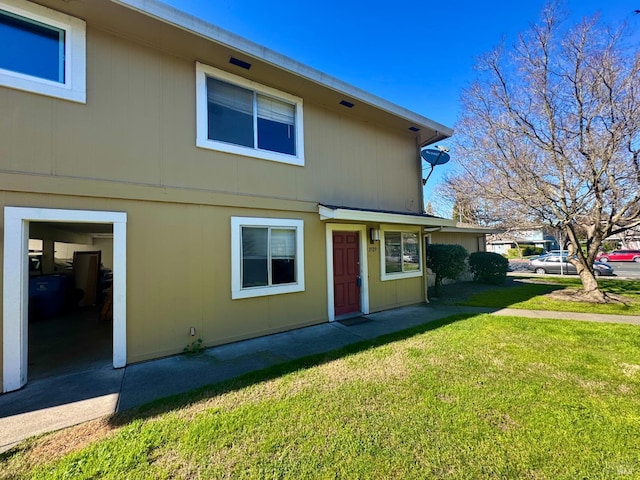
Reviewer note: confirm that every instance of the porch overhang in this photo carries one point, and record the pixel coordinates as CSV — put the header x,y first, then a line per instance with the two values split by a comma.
x,y
349,214
463,229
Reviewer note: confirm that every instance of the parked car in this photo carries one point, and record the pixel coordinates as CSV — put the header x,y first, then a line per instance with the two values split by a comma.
x,y
59,265
619,256
552,263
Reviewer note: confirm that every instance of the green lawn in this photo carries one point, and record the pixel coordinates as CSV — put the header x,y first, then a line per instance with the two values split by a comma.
x,y
478,397
532,296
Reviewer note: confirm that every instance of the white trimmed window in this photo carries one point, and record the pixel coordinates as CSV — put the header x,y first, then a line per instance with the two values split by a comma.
x,y
267,256
401,254
236,115
43,51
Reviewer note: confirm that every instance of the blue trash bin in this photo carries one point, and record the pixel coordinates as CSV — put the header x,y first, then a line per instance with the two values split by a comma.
x,y
48,295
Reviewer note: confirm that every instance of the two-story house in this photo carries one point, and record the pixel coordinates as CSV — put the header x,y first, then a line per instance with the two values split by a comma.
x,y
232,191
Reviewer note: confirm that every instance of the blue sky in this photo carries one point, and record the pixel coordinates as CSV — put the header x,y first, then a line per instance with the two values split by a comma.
x,y
418,55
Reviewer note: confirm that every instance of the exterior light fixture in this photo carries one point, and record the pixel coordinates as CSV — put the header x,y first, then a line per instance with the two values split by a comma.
x,y
374,235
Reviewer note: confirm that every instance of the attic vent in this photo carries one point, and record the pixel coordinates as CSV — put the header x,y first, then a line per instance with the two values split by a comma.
x,y
239,63
414,129
344,103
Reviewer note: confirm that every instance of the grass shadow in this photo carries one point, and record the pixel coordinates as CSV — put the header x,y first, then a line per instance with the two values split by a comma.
x,y
178,401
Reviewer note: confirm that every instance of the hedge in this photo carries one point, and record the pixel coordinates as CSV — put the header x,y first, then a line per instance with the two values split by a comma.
x,y
488,267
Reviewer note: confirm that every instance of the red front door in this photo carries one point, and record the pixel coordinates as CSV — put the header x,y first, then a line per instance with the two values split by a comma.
x,y
346,273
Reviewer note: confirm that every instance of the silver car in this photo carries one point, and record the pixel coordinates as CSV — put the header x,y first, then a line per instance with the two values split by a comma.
x,y
554,263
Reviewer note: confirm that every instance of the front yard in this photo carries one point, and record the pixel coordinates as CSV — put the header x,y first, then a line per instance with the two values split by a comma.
x,y
553,293
472,397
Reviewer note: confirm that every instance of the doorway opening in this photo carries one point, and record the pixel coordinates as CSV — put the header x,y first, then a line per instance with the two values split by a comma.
x,y
347,271
64,292
70,319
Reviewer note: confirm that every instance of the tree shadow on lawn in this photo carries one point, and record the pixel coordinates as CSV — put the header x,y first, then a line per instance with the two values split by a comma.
x,y
617,287
548,293
514,290
178,401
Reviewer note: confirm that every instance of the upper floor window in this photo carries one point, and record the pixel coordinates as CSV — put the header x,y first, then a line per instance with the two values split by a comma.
x,y
401,254
238,116
43,51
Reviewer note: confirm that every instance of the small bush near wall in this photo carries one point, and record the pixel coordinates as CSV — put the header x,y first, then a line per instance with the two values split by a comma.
x,y
446,261
488,267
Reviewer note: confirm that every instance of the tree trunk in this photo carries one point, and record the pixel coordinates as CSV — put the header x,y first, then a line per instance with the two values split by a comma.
x,y
584,264
591,291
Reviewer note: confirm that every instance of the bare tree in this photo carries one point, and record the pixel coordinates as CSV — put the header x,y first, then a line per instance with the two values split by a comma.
x,y
465,206
550,134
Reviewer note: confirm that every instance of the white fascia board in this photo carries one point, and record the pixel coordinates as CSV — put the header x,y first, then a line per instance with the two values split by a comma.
x,y
192,24
379,217
468,230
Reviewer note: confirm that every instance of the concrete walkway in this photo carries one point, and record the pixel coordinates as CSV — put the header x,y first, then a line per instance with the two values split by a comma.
x,y
58,402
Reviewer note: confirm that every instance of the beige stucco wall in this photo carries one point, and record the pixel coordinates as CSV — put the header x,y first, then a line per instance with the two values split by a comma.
x,y
473,242
179,274
139,126
131,148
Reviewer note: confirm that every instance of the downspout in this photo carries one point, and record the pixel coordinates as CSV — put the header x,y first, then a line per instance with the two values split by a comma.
x,y
436,136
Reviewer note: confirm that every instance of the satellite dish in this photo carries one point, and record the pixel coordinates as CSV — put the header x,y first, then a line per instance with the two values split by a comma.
x,y
435,157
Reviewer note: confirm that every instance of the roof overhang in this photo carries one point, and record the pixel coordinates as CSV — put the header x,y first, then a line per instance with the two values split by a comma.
x,y
433,131
469,229
184,36
376,216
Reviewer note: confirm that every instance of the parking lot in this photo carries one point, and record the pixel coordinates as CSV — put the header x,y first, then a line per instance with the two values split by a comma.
x,y
626,269
621,269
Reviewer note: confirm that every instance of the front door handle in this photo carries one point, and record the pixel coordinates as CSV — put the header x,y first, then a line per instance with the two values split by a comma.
x,y
359,281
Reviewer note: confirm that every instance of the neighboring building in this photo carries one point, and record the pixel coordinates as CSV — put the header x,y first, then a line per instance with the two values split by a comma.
x,y
502,242
629,239
234,192
472,237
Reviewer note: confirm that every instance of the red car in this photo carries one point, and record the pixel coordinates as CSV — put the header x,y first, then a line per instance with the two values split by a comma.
x,y
619,256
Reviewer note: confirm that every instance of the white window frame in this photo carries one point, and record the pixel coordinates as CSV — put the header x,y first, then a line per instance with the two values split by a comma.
x,y
74,87
237,291
202,137
384,276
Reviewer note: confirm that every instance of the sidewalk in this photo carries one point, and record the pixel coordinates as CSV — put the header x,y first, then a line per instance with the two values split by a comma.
x,y
54,403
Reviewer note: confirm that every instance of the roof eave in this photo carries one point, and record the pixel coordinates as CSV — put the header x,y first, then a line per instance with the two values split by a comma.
x,y
192,24
372,216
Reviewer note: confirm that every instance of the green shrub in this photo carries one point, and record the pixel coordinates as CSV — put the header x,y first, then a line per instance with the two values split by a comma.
x,y
525,251
488,267
530,251
446,261
514,253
